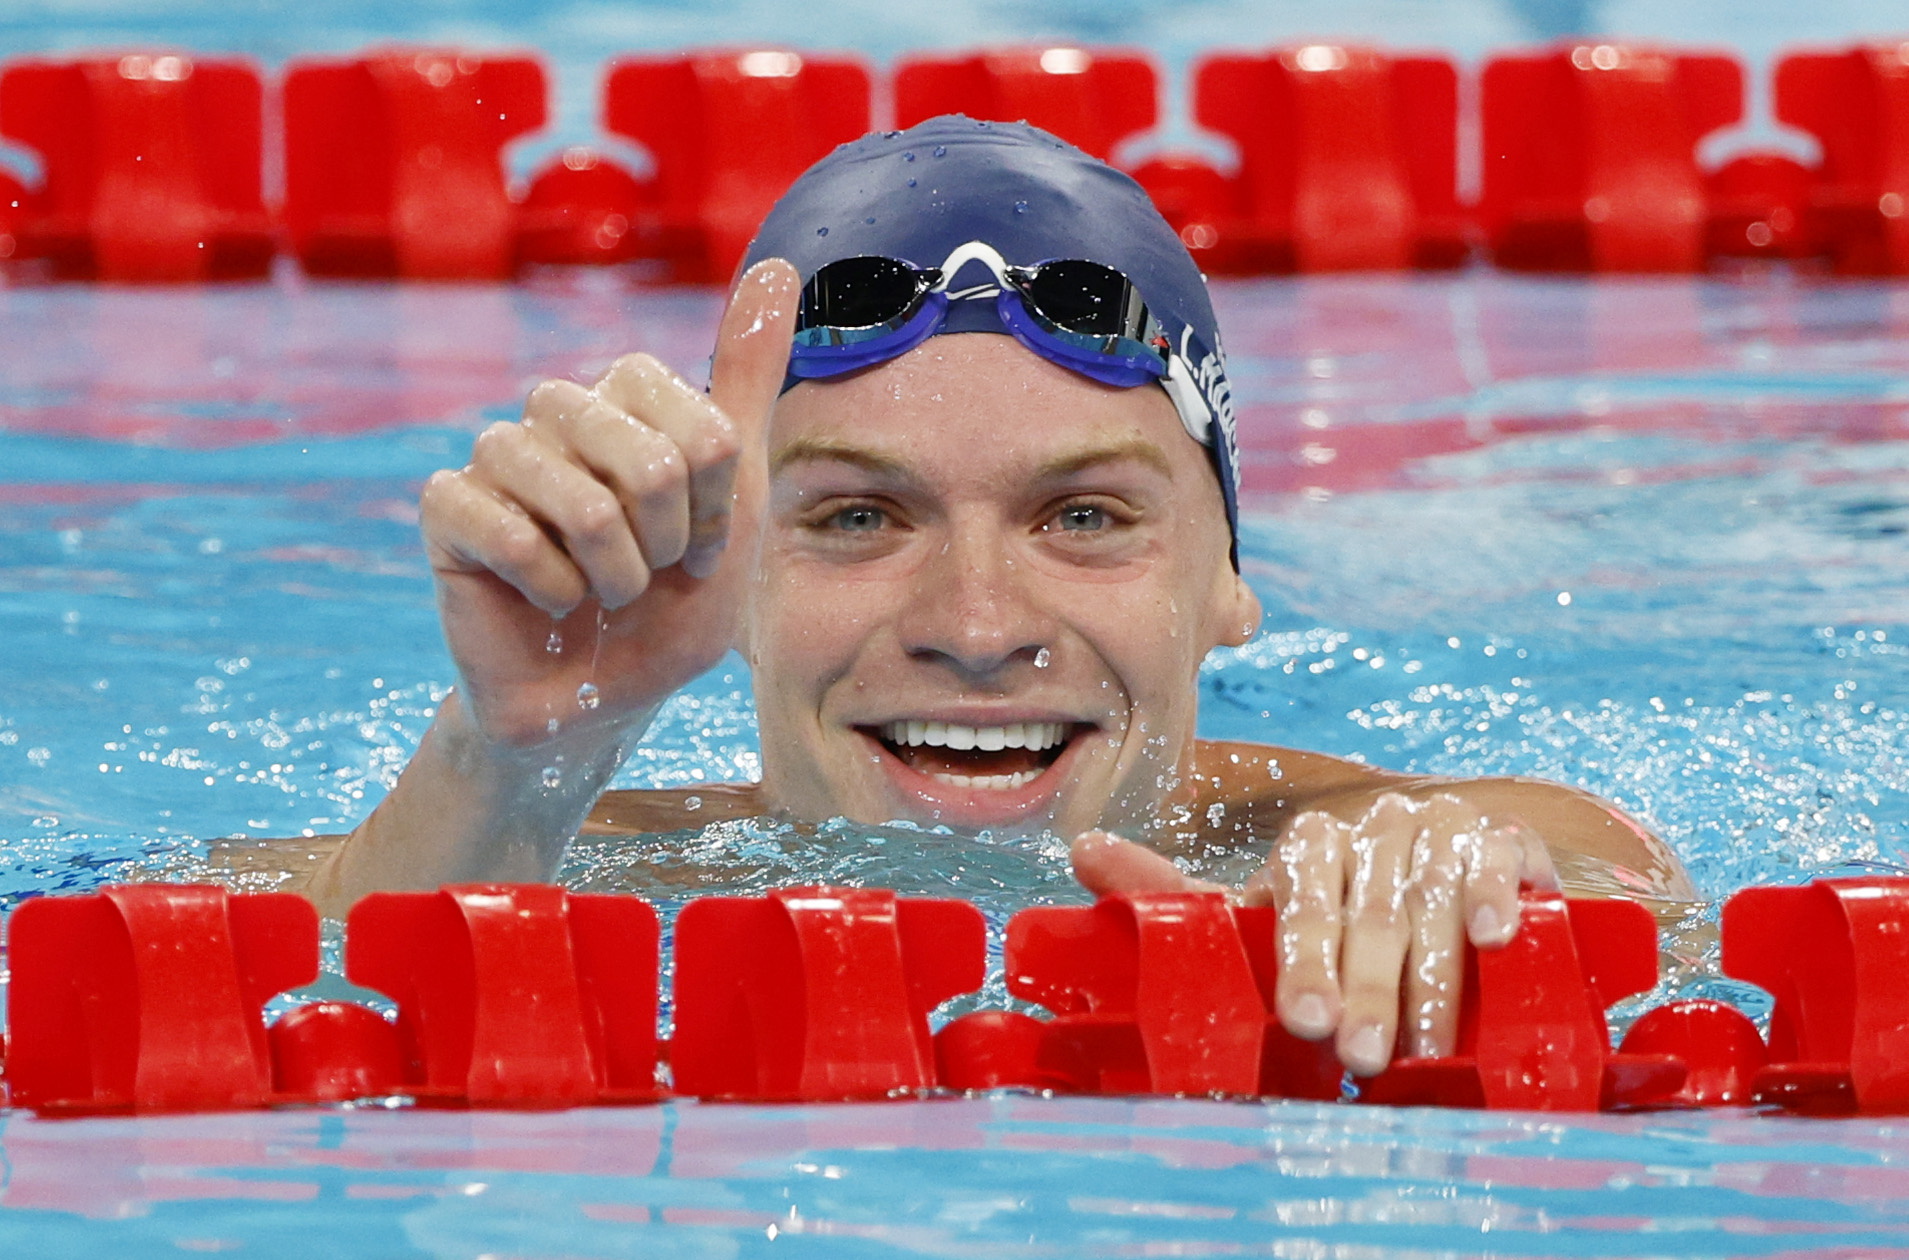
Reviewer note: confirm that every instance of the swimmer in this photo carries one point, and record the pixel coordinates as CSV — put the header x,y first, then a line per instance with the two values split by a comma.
x,y
963,491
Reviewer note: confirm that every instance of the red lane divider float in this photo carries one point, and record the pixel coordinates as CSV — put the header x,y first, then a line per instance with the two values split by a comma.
x,y
1347,157
1093,98
514,994
1856,104
728,131
1590,156
1348,160
152,166
1152,993
817,993
1833,955
393,162
151,998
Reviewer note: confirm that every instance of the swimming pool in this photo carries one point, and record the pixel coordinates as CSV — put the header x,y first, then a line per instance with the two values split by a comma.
x,y
1647,536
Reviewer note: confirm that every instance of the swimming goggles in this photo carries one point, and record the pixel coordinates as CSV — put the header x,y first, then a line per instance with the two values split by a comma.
x,y
1087,316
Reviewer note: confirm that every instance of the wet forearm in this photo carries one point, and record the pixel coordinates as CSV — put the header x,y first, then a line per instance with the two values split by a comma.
x,y
469,809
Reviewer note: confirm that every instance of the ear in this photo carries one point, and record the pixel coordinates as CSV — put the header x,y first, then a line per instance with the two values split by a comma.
x,y
1237,609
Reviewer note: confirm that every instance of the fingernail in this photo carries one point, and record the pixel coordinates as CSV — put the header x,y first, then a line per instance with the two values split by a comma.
x,y
1310,1018
700,562
1486,925
1366,1050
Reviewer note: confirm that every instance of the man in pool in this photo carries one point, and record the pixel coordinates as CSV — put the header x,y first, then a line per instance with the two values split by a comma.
x,y
974,577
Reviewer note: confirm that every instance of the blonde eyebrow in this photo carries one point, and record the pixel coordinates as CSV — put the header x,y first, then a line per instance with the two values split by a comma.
x,y
804,450
1060,468
1136,448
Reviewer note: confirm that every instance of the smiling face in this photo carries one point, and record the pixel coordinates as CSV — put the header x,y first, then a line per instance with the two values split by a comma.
x,y
986,587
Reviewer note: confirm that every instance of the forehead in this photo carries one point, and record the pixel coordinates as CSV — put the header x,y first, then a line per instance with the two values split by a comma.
x,y
978,406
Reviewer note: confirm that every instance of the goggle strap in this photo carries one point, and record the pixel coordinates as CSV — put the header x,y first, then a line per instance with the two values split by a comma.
x,y
1195,416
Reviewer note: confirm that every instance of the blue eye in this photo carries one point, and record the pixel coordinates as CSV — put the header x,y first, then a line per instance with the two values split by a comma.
x,y
1082,516
859,520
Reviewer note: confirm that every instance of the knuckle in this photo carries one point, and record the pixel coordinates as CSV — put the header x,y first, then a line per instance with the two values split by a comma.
x,y
546,395
596,517
517,542
716,439
439,487
496,439
664,473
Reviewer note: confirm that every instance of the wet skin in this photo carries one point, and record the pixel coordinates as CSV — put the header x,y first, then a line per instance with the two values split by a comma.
x,y
973,588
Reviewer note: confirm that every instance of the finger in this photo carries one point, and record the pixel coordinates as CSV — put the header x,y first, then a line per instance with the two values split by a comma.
x,y
646,471
1377,933
1306,879
704,437
1538,871
1491,887
1434,968
752,346
580,513
470,529
1105,864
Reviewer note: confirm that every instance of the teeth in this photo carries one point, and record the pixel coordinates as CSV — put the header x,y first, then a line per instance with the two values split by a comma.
x,y
992,782
1031,735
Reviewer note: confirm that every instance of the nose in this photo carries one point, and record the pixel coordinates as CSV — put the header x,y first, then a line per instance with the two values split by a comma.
x,y
976,608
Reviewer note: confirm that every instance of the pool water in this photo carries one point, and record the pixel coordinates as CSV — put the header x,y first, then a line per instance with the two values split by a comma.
x,y
1650,537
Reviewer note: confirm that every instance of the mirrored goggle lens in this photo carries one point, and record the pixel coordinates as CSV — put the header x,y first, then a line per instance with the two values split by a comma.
x,y
1083,297
862,293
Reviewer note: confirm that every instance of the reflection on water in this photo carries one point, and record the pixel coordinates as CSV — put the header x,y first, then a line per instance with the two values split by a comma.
x,y
1005,1175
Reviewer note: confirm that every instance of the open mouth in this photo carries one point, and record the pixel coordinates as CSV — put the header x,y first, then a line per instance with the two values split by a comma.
x,y
989,758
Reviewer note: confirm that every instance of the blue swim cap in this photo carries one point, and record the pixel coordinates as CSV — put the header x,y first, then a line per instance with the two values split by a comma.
x,y
920,195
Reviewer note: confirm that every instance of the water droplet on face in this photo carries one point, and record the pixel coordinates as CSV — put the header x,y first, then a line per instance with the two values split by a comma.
x,y
821,231
941,150
587,697
552,777
554,644
1043,658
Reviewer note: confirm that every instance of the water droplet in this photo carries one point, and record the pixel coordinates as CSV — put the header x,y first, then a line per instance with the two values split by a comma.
x,y
552,777
891,135
1043,658
553,726
554,644
821,231
982,123
911,183
870,219
692,803
587,697
1020,207
908,156
941,150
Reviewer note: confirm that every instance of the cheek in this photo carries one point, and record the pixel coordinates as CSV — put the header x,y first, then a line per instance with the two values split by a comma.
x,y
804,634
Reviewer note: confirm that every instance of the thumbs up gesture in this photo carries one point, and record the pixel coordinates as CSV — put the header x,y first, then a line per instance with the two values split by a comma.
x,y
592,557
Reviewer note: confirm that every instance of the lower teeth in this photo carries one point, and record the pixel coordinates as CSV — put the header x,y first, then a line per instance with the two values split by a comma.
x,y
994,782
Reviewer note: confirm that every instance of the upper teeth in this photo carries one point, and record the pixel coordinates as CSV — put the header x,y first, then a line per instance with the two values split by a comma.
x,y
1032,735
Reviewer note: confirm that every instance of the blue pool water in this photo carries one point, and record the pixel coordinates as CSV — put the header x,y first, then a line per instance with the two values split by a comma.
x,y
1646,536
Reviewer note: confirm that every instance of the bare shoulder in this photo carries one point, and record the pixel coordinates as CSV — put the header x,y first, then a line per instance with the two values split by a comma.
x,y
632,812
